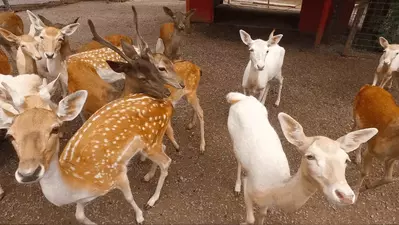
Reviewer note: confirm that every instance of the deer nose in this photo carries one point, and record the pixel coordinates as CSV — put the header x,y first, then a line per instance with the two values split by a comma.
x,y
29,175
261,67
38,57
344,197
181,27
49,55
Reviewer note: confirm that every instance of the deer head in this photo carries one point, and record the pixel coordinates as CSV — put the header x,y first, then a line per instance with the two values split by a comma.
x,y
33,123
258,49
180,20
391,51
51,38
56,25
142,74
324,160
25,42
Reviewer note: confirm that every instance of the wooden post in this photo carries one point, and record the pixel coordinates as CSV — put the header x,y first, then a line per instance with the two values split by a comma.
x,y
351,36
323,20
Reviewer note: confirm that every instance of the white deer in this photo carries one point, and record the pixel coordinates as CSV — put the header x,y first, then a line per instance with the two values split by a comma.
x,y
388,64
268,183
265,62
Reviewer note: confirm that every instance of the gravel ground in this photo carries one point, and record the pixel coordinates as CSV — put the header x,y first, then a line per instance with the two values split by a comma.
x,y
318,91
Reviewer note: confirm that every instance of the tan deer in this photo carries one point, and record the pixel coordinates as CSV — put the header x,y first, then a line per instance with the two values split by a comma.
x,y
171,33
94,160
20,93
375,107
27,51
13,23
191,75
53,49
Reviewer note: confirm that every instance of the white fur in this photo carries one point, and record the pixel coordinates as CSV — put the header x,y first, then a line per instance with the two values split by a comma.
x,y
268,182
24,84
388,63
266,61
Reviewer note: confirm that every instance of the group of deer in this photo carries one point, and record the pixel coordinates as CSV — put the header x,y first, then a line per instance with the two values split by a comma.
x,y
258,149
122,123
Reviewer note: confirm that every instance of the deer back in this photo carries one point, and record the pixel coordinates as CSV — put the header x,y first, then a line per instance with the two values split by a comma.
x,y
11,22
114,39
5,67
100,150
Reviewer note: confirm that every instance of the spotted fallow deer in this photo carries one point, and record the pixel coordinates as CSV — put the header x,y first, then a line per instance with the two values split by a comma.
x,y
27,51
388,64
94,160
99,73
171,33
52,48
13,23
376,107
19,93
191,75
259,152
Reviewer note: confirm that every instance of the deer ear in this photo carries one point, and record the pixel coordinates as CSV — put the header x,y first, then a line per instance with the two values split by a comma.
x,y
9,36
76,20
275,39
190,13
168,12
293,132
6,117
36,21
70,106
245,37
70,29
160,47
118,67
353,140
47,90
384,42
45,20
128,50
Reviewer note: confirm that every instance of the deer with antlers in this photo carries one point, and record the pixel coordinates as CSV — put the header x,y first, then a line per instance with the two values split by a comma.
x,y
94,160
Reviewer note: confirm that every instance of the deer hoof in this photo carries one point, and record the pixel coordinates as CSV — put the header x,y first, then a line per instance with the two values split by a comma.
x,y
237,193
147,206
2,194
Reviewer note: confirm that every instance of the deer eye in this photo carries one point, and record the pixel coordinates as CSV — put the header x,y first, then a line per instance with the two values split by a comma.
x,y
41,37
251,50
55,130
267,51
162,69
310,157
61,39
23,46
347,161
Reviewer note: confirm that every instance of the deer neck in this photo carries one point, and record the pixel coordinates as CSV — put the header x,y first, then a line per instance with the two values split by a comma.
x,y
130,87
294,193
65,49
54,184
54,66
25,63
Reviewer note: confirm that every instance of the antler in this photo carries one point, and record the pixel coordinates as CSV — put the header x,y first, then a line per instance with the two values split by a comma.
x,y
102,41
144,49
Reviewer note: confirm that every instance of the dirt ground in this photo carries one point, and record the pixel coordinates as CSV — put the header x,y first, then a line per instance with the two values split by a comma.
x,y
318,91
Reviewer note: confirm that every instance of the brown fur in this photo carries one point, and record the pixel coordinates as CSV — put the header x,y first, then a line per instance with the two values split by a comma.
x,y
12,22
5,67
115,39
375,107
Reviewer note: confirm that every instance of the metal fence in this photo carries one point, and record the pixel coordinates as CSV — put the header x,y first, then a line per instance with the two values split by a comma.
x,y
370,20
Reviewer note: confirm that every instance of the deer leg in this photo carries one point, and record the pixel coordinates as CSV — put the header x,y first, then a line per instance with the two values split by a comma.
x,y
171,136
1,193
263,94
263,213
194,101
248,204
375,79
358,159
385,80
80,213
124,186
391,83
365,170
237,188
151,173
159,157
389,164
280,79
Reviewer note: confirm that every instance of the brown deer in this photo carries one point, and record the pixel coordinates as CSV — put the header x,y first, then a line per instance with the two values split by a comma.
x,y
171,33
53,47
191,75
27,52
375,107
94,160
13,23
5,67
